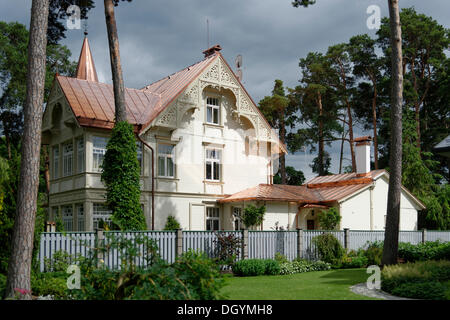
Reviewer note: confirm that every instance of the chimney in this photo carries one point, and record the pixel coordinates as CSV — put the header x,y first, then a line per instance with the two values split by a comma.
x,y
362,155
212,50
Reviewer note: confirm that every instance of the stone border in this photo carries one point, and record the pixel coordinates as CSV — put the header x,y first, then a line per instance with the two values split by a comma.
x,y
361,289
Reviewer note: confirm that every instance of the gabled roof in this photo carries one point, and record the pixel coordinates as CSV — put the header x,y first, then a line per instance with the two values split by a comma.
x,y
319,190
93,102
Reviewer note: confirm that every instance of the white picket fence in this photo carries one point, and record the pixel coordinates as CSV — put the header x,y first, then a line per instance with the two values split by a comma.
x,y
259,244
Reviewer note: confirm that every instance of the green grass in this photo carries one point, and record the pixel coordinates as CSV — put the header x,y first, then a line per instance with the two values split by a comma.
x,y
318,285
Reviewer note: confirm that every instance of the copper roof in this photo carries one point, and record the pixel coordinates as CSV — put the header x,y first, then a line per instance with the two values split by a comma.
x,y
86,68
323,190
92,102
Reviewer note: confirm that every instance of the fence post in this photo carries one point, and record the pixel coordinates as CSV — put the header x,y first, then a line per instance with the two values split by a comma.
x,y
100,238
245,244
346,238
424,235
179,243
299,243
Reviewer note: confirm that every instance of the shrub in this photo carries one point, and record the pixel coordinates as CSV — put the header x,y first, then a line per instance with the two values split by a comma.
x,y
432,250
253,216
249,267
121,175
272,267
53,284
256,267
280,258
421,280
329,219
353,262
228,248
192,276
199,274
171,223
58,262
301,265
329,248
2,285
374,254
430,290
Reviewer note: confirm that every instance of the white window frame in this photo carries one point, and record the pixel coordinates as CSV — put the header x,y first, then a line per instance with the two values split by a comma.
x,y
237,214
100,212
212,162
67,217
212,215
67,159
210,105
165,158
98,152
55,151
81,159
79,209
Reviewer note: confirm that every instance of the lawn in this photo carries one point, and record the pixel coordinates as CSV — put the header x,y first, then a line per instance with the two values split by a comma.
x,y
318,285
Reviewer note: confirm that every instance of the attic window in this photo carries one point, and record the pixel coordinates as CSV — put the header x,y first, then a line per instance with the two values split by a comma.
x,y
212,110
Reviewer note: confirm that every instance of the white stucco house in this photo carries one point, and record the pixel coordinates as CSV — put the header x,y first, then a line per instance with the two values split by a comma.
x,y
205,150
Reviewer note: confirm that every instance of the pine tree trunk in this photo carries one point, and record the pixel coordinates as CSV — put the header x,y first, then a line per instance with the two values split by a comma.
x,y
390,249
116,67
374,117
321,143
282,157
19,268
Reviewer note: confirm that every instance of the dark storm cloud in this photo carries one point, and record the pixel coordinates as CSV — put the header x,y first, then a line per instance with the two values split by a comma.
x,y
160,37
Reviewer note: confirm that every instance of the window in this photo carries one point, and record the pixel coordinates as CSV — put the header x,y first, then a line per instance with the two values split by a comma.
x,y
80,216
55,162
238,224
55,213
67,159
101,215
212,218
98,152
212,110
213,164
139,155
67,218
80,155
165,161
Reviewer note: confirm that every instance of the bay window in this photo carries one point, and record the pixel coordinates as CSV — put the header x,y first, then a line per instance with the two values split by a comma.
x,y
98,152
67,159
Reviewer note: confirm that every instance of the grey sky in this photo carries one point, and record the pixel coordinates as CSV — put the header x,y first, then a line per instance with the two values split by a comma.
x,y
160,37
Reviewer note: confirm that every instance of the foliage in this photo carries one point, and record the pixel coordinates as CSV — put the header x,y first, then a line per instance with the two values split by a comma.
x,y
293,177
329,219
431,250
253,216
301,265
280,258
58,262
172,223
374,255
329,248
2,284
228,248
53,284
192,276
348,261
421,280
121,175
256,267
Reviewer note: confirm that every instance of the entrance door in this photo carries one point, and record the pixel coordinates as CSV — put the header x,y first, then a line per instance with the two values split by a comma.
x,y
310,224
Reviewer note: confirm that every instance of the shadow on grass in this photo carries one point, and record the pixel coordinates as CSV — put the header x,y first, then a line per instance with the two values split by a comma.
x,y
346,276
